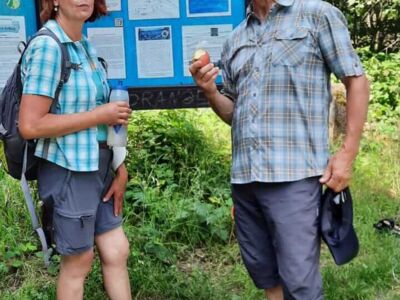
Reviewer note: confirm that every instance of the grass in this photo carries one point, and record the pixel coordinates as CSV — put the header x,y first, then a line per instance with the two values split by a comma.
x,y
178,223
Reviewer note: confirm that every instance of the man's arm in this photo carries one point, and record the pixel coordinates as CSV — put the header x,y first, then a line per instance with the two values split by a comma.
x,y
338,173
204,78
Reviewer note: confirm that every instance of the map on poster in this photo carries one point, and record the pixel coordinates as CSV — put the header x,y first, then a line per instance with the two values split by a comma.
x,y
154,52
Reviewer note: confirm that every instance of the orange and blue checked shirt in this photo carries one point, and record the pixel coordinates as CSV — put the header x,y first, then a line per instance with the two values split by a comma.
x,y
40,74
277,73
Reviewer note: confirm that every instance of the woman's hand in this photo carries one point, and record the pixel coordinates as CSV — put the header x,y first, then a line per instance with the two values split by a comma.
x,y
114,113
117,189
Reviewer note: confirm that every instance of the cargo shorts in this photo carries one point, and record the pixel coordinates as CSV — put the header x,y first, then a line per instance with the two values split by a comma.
x,y
277,227
79,214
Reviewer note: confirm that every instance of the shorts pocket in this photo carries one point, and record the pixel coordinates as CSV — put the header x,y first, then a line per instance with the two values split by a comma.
x,y
73,233
290,47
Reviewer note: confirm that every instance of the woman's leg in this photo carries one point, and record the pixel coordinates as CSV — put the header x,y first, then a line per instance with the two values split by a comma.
x,y
73,271
113,248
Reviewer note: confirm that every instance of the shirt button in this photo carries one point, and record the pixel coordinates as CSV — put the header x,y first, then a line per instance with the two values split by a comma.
x,y
254,94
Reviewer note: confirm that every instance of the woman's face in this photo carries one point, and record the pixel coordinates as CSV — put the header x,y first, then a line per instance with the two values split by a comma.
x,y
78,10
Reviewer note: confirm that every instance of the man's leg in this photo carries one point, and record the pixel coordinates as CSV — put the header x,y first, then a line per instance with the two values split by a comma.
x,y
292,210
255,242
275,293
113,248
73,271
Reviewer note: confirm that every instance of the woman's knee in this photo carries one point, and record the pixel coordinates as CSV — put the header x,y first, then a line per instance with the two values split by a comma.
x,y
116,253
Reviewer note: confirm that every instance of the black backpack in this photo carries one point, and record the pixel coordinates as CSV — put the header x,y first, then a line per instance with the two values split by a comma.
x,y
19,153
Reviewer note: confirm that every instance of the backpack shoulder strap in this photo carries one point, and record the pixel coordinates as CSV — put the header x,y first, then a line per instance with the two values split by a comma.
x,y
103,62
66,65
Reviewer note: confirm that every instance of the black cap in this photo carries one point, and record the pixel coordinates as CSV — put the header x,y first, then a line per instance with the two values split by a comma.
x,y
337,225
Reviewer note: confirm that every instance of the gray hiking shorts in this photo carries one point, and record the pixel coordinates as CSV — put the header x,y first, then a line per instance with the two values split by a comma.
x,y
79,212
277,227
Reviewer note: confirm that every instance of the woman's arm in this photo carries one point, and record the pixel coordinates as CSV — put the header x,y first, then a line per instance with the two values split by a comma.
x,y
35,121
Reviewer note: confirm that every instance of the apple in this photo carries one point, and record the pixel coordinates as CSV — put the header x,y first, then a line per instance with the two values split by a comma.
x,y
201,55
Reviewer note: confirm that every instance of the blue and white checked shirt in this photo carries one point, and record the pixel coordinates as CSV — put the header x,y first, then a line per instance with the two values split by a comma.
x,y
278,75
41,70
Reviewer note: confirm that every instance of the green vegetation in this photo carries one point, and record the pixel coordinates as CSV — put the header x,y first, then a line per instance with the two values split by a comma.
x,y
384,74
177,218
373,23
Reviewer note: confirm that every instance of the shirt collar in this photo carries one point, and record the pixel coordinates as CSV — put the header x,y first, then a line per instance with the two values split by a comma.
x,y
250,7
286,3
59,32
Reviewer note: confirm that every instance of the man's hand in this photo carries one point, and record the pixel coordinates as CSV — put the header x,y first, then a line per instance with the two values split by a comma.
x,y
337,174
205,77
117,189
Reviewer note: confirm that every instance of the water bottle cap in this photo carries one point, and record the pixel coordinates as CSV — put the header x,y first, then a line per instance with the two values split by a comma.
x,y
120,86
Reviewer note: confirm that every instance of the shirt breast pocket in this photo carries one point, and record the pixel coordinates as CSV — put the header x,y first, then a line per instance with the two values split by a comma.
x,y
290,47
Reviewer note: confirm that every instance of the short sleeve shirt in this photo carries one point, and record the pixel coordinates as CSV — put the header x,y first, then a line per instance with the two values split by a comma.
x,y
278,73
40,72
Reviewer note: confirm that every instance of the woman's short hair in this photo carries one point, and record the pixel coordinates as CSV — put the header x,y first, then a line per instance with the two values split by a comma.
x,y
47,12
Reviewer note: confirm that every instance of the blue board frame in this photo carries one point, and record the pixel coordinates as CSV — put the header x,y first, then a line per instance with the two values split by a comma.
x,y
27,9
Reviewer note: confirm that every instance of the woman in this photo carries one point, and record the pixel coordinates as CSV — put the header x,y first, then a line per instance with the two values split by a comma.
x,y
74,169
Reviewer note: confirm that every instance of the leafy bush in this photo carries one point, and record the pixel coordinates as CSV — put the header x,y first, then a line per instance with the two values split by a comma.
x,y
384,74
373,23
179,192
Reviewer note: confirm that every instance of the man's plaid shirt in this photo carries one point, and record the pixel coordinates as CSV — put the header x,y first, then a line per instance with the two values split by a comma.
x,y
278,75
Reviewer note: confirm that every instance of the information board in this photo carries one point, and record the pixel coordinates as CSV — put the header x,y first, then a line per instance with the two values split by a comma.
x,y
18,21
148,45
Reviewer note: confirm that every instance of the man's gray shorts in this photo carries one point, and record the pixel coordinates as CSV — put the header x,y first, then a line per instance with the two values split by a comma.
x,y
79,212
277,226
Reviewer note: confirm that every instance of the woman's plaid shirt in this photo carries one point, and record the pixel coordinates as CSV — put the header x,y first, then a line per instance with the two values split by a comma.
x,y
41,70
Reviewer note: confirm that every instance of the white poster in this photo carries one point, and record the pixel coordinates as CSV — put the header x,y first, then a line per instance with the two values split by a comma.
x,y
154,52
113,5
207,37
110,45
211,8
12,31
153,9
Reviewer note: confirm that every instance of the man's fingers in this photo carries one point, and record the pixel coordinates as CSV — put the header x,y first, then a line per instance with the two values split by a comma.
x,y
204,70
209,75
337,183
195,67
327,174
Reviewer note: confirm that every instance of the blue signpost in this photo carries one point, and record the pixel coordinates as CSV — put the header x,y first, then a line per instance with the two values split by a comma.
x,y
148,44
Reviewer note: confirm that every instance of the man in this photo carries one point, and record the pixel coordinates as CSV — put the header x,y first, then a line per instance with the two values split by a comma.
x,y
276,69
